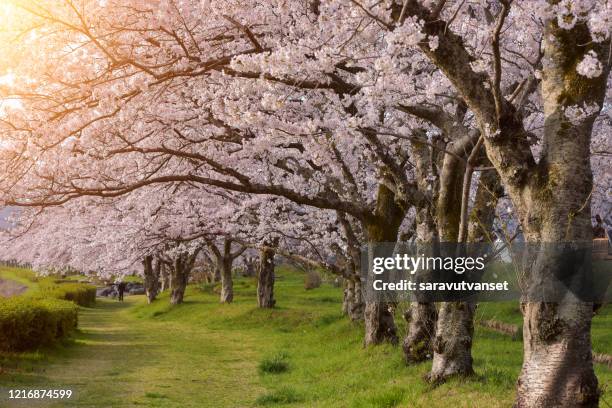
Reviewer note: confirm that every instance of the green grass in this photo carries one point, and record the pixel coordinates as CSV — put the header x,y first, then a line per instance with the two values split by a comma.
x,y
28,278
275,364
203,354
20,275
509,312
51,286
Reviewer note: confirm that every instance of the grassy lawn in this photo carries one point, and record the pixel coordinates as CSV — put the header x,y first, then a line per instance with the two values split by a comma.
x,y
509,312
301,354
22,276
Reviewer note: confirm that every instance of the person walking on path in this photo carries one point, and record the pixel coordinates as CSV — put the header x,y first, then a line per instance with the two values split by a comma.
x,y
121,289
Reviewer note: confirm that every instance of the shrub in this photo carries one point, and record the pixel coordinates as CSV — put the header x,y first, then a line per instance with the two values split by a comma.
x,y
79,293
274,365
312,280
28,323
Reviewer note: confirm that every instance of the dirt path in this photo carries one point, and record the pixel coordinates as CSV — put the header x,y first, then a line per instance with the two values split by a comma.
x,y
10,288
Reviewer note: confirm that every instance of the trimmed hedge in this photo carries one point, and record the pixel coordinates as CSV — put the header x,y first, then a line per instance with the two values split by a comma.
x,y
28,323
79,293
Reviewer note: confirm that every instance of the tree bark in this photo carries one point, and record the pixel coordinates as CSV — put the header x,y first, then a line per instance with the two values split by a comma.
x,y
179,276
380,325
265,279
418,343
455,328
164,276
353,305
453,343
151,278
227,284
422,315
223,262
558,364
178,280
382,227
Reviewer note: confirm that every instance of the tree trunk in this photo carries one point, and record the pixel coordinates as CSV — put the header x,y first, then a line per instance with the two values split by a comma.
x,y
265,279
177,292
558,367
451,346
347,296
151,278
227,285
453,342
558,364
164,277
418,343
380,325
179,279
422,315
382,227
551,195
352,304
455,328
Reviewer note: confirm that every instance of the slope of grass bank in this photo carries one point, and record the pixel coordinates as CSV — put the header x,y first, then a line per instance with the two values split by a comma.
x,y
509,312
21,276
301,354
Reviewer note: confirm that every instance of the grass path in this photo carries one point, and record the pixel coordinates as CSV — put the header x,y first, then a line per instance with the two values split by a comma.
x,y
203,354
118,360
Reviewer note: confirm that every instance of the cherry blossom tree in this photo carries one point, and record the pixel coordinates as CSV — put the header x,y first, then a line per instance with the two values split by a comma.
x,y
368,110
551,193
262,151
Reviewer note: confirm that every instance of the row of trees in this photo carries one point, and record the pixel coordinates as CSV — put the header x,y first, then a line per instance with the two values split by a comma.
x,y
154,132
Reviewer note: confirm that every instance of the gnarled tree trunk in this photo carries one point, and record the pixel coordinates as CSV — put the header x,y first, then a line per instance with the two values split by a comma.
x,y
551,195
455,328
453,342
151,278
178,280
558,364
352,303
380,324
179,276
164,275
223,262
418,343
422,315
382,227
227,284
265,279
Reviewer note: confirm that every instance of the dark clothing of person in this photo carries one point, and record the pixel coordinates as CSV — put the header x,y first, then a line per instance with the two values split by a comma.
x,y
599,231
121,289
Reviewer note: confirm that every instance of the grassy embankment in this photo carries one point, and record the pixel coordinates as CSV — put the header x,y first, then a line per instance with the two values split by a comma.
x,y
203,354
